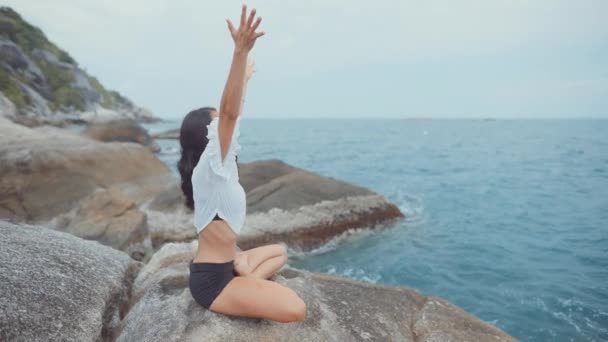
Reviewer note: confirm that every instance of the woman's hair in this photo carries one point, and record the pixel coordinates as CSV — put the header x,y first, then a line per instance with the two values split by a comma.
x,y
193,140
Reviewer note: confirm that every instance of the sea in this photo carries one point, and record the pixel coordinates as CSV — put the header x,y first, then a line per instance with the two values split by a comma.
x,y
508,218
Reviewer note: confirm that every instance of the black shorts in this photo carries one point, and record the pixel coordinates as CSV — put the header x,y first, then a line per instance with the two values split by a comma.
x,y
208,279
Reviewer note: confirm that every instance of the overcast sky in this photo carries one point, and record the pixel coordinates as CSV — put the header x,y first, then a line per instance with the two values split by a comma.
x,y
330,58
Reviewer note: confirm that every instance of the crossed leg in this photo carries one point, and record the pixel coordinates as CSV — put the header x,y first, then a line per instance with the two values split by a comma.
x,y
261,262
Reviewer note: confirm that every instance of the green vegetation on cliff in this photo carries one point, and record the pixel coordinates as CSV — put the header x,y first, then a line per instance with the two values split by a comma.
x,y
10,89
55,64
28,37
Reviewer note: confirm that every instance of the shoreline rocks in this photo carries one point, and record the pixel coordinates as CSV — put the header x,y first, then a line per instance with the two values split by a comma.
x,y
46,171
121,195
122,130
72,183
338,309
311,226
284,203
58,287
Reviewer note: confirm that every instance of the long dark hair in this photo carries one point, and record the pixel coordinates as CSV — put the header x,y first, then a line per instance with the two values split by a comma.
x,y
193,140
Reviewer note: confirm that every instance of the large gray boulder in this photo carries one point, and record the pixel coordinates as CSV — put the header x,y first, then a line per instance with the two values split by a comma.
x,y
57,287
47,171
125,130
110,217
284,203
338,309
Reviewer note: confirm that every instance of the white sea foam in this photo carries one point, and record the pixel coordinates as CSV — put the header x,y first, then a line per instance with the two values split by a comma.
x,y
355,273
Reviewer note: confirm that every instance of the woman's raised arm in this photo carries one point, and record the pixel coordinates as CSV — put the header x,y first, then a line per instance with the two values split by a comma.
x,y
230,106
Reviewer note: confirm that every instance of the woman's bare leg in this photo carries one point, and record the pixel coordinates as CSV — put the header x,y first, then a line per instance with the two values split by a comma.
x,y
259,298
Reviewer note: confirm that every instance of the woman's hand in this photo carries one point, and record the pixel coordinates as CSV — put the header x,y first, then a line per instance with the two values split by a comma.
x,y
245,36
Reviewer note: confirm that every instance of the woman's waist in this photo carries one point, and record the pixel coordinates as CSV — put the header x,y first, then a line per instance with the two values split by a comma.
x,y
212,251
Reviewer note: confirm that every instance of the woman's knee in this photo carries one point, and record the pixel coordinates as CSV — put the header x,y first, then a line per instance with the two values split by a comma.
x,y
297,311
283,248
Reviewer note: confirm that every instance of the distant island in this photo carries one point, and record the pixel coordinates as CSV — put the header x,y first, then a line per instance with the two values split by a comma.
x,y
42,84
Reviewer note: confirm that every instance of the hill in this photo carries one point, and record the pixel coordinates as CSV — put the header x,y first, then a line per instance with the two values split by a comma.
x,y
42,84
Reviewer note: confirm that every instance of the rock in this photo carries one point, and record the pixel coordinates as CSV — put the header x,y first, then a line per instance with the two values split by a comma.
x,y
57,287
169,201
311,226
305,209
284,203
274,184
170,134
110,218
128,111
16,61
47,171
125,130
7,108
258,173
338,309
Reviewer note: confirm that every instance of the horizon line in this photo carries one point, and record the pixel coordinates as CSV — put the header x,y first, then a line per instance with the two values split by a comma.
x,y
409,118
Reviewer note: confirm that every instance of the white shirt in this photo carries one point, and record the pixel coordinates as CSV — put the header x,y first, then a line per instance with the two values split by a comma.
x,y
215,185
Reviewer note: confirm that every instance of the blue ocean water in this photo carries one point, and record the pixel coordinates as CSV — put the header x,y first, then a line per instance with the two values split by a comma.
x,y
507,219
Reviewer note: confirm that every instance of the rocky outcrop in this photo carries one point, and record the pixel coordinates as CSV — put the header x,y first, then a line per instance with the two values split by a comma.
x,y
284,203
170,134
124,130
111,218
47,171
338,309
45,85
7,108
57,287
75,184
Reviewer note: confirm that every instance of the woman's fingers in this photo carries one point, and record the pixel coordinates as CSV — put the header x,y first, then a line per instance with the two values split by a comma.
x,y
259,34
243,14
245,34
256,24
231,27
251,16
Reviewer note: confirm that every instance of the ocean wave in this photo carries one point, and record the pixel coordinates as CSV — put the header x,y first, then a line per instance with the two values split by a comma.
x,y
331,245
355,273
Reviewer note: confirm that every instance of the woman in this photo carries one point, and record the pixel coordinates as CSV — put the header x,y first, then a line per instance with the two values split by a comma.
x,y
220,279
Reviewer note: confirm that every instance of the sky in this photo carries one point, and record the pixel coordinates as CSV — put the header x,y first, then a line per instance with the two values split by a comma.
x,y
346,59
